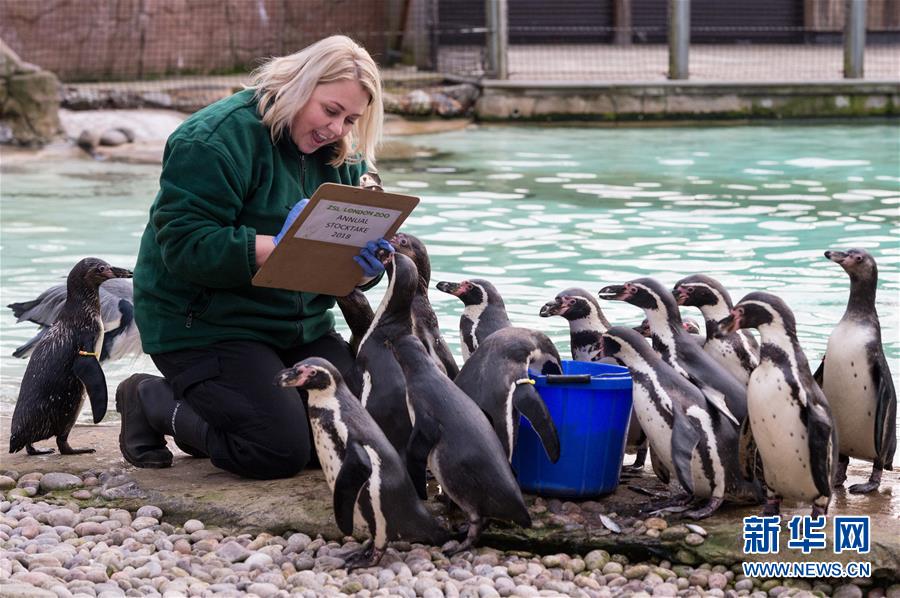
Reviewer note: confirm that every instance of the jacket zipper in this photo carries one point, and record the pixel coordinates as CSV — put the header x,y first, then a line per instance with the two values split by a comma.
x,y
299,296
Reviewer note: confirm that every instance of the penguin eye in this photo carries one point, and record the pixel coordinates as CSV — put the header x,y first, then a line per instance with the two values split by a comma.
x,y
101,269
858,258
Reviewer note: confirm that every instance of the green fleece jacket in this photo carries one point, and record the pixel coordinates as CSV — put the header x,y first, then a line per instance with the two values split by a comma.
x,y
222,182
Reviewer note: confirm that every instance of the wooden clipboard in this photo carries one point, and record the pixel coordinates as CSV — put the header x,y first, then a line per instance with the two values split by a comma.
x,y
316,254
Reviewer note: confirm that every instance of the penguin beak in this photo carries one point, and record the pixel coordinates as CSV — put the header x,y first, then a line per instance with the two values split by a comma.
x,y
552,308
836,256
119,273
448,287
295,376
613,292
728,325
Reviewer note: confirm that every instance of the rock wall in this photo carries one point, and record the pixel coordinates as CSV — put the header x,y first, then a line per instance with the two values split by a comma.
x,y
29,101
82,40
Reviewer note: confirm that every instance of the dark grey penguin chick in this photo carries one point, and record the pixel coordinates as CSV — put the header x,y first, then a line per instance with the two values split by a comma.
x,y
377,373
64,365
789,423
453,436
857,380
587,323
496,378
484,314
680,349
363,470
692,439
738,352
425,321
121,336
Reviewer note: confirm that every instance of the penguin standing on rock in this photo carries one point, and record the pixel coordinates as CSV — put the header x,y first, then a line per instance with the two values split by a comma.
x,y
679,348
64,365
453,436
496,378
361,467
378,375
738,352
425,322
694,441
789,423
855,377
587,324
484,314
121,336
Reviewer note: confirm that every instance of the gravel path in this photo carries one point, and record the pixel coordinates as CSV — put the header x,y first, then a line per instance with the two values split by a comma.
x,y
52,547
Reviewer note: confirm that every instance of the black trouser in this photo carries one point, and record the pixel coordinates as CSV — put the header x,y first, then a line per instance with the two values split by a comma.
x,y
256,429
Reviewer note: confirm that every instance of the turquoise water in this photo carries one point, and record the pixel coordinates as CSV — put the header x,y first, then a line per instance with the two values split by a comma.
x,y
536,210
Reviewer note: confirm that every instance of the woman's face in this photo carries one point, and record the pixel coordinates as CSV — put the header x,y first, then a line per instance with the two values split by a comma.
x,y
329,114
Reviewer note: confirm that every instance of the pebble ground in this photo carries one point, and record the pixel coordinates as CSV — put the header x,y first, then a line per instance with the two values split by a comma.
x,y
51,547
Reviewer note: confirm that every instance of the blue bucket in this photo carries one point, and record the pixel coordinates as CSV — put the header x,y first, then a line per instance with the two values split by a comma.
x,y
591,406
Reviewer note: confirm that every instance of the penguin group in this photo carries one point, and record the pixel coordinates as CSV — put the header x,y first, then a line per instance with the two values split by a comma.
x,y
726,417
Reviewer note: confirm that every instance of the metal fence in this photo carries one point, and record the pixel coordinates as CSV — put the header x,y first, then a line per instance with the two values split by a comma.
x,y
419,42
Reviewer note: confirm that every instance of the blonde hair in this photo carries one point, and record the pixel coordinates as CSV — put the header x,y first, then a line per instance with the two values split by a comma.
x,y
285,84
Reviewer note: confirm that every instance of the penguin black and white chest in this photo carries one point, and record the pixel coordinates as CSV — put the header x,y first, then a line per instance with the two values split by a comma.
x,y
121,336
738,352
693,440
64,365
362,468
496,378
456,440
789,421
587,323
856,378
378,375
484,314
424,320
680,349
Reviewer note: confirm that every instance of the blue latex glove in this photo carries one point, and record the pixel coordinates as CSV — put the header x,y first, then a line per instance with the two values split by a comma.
x,y
292,215
370,264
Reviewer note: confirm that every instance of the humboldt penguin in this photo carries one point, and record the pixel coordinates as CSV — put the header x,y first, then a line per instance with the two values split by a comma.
x,y
587,323
496,378
121,336
680,349
693,440
454,437
738,352
855,377
362,468
357,314
425,321
483,315
64,366
378,375
789,424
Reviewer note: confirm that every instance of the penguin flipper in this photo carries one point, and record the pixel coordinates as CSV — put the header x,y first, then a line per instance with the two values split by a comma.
x,y
885,414
88,370
821,444
747,451
819,375
717,400
355,471
684,440
421,441
530,404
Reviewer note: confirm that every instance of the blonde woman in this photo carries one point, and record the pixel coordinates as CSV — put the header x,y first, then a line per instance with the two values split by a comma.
x,y
234,177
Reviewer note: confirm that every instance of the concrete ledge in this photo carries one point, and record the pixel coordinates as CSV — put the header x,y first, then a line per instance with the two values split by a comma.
x,y
680,100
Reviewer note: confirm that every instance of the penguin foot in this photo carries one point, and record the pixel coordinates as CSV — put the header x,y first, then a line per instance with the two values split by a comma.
x,y
772,507
472,536
818,511
869,486
705,511
674,501
840,471
29,448
363,558
632,470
